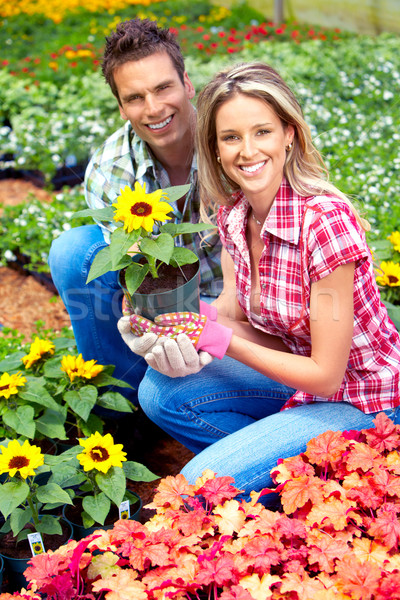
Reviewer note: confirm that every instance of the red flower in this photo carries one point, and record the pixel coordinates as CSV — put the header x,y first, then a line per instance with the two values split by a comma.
x,y
73,64
5,63
294,34
206,37
221,34
27,59
279,30
25,70
200,29
199,46
214,45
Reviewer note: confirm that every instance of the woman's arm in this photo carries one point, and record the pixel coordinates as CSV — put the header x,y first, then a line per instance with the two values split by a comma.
x,y
331,324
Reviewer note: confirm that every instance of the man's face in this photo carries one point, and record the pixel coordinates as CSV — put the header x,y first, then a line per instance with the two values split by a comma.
x,y
155,101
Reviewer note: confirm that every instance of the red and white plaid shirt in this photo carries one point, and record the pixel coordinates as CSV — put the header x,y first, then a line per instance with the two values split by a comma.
x,y
305,240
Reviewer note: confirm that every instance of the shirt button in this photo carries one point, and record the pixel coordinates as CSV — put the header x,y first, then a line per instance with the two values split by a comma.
x,y
263,285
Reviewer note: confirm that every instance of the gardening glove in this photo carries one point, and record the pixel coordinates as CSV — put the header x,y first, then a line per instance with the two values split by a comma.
x,y
203,332
139,345
177,357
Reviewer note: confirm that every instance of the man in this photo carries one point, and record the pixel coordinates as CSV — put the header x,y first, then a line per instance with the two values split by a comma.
x,y
144,67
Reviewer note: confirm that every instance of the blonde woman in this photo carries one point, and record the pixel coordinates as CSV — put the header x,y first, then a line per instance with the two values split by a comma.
x,y
307,343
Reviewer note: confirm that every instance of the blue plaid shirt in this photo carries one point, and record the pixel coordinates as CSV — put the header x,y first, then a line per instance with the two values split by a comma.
x,y
123,159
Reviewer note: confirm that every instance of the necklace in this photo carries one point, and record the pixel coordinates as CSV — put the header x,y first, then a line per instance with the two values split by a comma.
x,y
255,218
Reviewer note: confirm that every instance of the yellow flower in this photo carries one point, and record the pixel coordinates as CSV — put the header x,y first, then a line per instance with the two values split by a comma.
x,y
75,366
390,274
101,453
38,349
25,458
9,384
395,239
138,209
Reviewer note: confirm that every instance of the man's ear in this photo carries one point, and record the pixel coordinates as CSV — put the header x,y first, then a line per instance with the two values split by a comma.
x,y
122,112
189,86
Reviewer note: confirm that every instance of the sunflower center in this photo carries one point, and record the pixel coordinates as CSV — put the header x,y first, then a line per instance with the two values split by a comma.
x,y
99,454
141,209
393,280
4,387
18,462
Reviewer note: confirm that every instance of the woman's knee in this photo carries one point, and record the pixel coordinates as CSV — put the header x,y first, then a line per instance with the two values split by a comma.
x,y
156,394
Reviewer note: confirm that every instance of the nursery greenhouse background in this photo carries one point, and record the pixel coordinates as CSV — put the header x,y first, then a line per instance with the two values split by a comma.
x,y
342,61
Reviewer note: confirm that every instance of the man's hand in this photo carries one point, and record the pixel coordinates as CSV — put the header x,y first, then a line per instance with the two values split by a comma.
x,y
177,357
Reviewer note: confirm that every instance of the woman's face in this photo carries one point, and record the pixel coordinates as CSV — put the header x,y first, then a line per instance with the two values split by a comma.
x,y
251,142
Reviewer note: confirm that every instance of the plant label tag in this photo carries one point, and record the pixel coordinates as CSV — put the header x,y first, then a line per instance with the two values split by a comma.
x,y
124,510
36,543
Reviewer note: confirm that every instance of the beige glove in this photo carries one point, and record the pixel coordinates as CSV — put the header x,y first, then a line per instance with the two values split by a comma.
x,y
139,345
177,357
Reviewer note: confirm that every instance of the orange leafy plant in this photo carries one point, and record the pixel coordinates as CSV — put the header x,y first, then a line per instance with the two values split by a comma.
x,y
336,539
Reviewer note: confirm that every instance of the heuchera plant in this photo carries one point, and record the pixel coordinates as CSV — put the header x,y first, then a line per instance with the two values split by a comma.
x,y
336,539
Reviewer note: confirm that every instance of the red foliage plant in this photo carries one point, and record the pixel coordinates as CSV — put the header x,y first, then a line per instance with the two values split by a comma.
x,y
336,537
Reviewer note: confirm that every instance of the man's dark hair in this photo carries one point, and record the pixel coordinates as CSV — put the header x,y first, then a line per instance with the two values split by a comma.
x,y
136,39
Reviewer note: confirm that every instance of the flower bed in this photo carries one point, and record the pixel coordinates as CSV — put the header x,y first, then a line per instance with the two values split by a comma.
x,y
336,536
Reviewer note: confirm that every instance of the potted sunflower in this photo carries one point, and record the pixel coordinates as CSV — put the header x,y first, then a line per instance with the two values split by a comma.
x,y
96,472
156,274
388,274
26,497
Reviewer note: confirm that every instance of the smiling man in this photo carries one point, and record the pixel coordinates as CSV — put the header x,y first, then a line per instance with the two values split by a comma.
x,y
144,67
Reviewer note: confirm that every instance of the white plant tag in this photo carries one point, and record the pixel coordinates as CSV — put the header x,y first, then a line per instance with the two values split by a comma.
x,y
124,510
36,543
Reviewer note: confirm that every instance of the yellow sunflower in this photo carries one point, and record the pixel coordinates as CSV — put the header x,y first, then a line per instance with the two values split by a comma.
x,y
101,453
25,458
137,209
75,366
9,384
395,240
389,274
38,349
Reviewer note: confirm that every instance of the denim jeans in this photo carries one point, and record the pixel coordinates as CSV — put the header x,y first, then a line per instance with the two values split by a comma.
x,y
229,416
94,308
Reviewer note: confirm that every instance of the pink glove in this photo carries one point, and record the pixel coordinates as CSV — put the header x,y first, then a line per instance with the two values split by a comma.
x,y
204,333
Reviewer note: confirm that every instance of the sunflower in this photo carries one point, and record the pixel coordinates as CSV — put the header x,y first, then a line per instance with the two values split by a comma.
x,y
38,349
75,366
9,384
389,274
395,240
101,453
25,458
137,209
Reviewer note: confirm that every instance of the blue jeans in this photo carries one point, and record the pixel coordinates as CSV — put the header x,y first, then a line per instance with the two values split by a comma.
x,y
229,416
94,308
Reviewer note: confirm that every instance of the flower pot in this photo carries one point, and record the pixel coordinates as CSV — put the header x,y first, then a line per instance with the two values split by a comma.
x,y
16,557
170,292
80,531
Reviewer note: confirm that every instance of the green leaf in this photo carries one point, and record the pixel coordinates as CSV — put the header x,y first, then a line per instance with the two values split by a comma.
x,y
12,362
137,472
183,256
36,393
67,476
82,401
115,401
50,525
101,264
51,423
52,492
97,507
161,247
134,276
21,420
103,379
102,214
19,518
52,368
176,192
113,484
64,343
182,228
120,243
12,494
394,313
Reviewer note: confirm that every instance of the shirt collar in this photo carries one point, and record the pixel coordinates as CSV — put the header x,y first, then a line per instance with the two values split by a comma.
x,y
284,218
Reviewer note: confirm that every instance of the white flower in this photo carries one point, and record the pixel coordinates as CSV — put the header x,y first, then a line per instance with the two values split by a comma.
x,y
10,256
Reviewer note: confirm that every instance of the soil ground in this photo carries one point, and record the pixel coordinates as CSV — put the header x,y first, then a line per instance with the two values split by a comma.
x,y
24,300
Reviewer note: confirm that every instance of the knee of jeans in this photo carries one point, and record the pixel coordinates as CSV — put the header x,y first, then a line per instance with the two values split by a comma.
x,y
153,397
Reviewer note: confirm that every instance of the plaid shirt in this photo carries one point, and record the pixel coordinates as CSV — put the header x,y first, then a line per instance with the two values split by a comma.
x,y
123,159
305,240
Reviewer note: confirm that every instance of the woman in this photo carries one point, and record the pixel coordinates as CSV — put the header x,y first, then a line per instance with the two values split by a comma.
x,y
309,342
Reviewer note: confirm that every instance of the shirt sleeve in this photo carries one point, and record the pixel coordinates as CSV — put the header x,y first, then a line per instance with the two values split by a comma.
x,y
334,239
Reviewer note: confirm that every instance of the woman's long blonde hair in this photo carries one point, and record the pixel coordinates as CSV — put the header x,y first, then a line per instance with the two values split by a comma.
x,y
304,168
